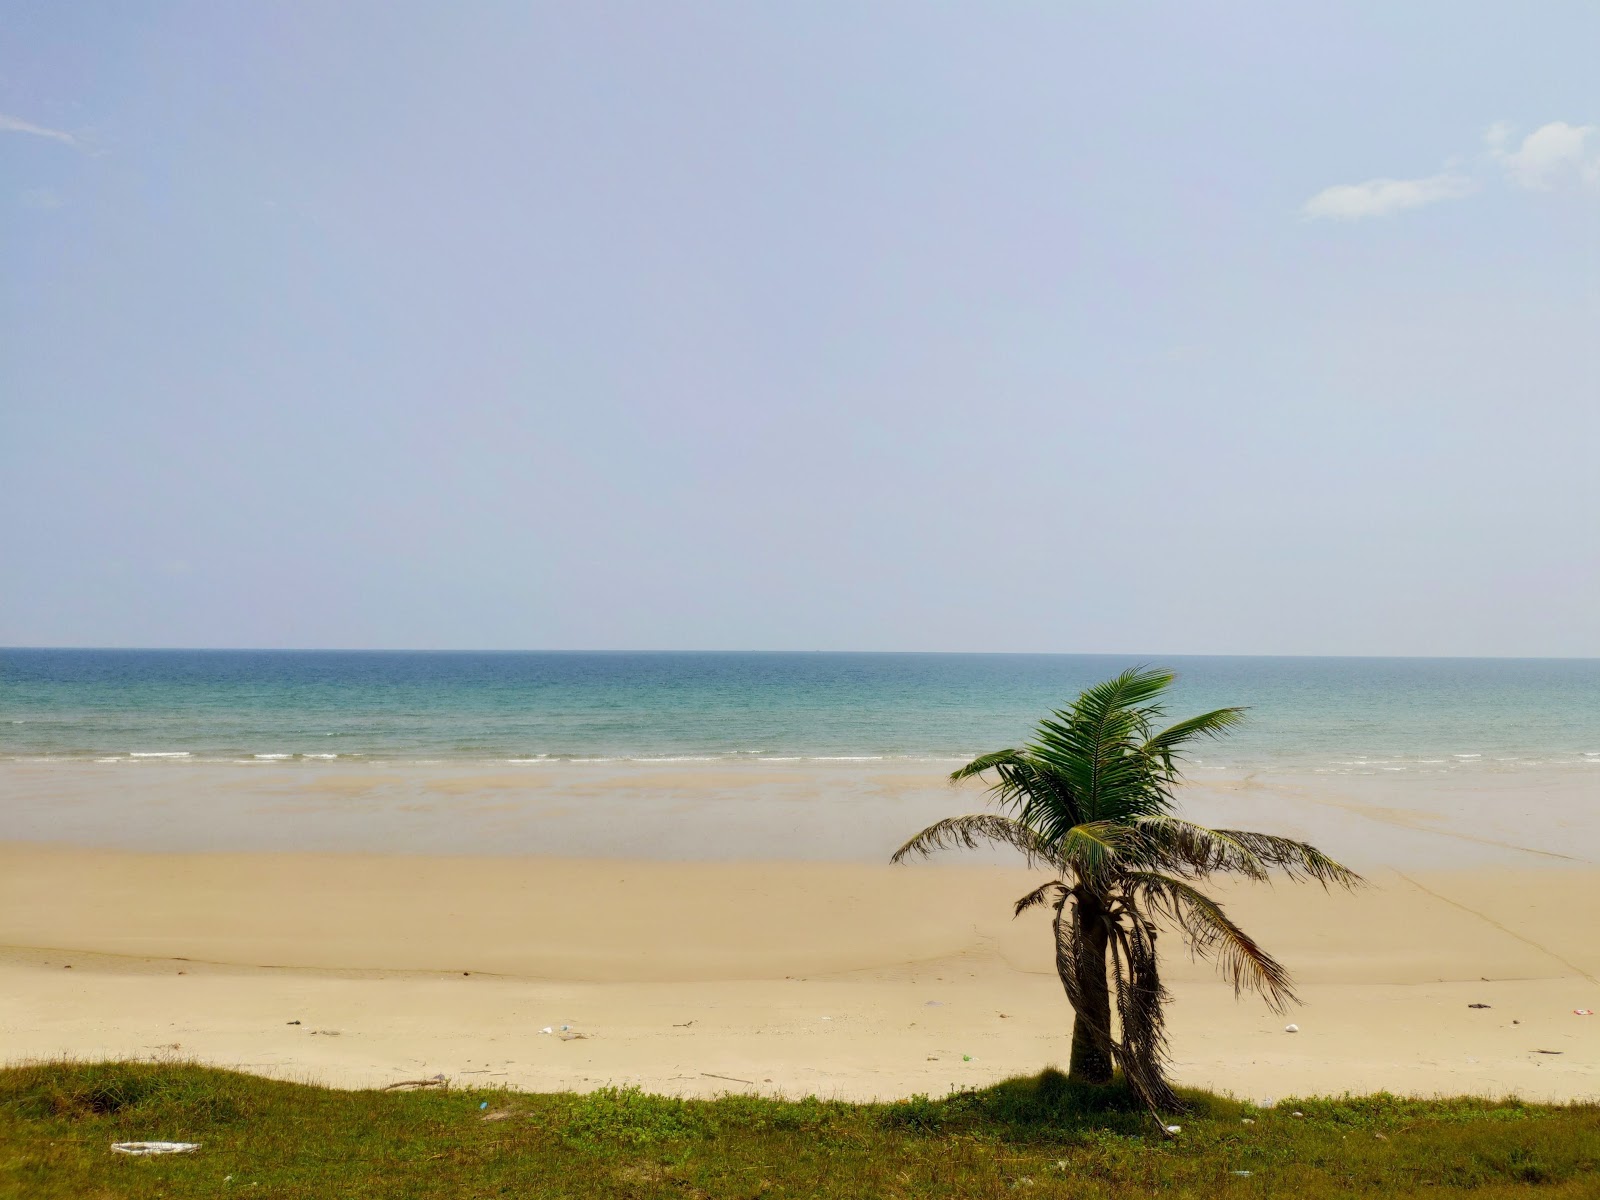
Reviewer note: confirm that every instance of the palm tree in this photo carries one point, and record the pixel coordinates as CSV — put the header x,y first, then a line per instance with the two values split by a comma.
x,y
1091,799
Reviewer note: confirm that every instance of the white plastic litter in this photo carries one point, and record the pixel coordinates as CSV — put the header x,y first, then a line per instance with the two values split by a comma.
x,y
547,1029
154,1147
1291,1029
1174,1129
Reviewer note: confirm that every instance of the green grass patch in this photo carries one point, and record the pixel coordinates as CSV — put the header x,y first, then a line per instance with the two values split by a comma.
x,y
1038,1136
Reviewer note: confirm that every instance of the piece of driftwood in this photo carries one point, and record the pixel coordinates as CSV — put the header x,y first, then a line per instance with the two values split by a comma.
x,y
729,1078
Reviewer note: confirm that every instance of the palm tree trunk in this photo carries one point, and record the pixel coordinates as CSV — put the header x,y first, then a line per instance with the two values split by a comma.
x,y
1091,1023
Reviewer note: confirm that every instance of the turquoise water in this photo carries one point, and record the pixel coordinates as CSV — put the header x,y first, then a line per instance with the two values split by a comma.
x,y
1322,714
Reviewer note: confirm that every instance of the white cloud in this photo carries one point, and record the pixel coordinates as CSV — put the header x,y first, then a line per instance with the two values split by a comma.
x,y
1554,155
1380,197
1549,156
18,125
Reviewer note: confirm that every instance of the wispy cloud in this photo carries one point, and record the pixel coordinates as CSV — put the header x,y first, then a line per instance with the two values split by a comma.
x,y
10,124
1548,157
1553,156
1381,197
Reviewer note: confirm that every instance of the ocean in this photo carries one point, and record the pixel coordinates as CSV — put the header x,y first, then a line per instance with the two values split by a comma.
x,y
1336,715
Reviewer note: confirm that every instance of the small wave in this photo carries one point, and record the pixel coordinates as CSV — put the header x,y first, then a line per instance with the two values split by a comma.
x,y
781,758
271,757
1466,756
543,758
158,754
324,756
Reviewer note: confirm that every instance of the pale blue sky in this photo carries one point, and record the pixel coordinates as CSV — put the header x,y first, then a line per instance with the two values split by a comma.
x,y
1155,328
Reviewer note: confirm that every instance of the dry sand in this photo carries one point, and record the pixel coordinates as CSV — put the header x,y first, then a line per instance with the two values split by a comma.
x,y
834,978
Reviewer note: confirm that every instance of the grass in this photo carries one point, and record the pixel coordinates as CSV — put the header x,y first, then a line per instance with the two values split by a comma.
x,y
1038,1136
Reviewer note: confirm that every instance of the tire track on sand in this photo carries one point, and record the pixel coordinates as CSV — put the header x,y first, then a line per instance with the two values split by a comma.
x,y
1488,920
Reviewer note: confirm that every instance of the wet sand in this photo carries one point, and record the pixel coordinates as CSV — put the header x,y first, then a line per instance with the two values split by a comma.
x,y
1447,816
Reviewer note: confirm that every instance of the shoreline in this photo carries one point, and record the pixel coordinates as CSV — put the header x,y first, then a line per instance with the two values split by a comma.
x,y
841,811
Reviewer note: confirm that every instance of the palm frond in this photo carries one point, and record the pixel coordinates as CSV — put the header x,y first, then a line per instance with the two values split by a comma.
x,y
1043,894
1069,947
1039,797
968,831
1093,848
984,762
1197,852
1174,844
1166,746
1212,934
1141,999
1094,745
1297,860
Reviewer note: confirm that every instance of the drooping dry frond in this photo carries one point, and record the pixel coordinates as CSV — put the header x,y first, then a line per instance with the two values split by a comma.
x,y
968,831
1297,860
1211,934
1191,850
1069,945
1141,1048
1197,852
1055,891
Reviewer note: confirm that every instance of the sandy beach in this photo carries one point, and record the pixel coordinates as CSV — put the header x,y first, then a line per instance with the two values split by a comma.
x,y
799,971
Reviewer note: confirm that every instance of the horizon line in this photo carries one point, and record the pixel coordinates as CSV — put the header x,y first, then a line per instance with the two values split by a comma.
x,y
1145,655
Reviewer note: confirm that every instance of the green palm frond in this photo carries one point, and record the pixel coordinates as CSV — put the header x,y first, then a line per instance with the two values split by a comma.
x,y
1093,850
968,831
985,762
1211,934
1095,745
1040,798
1166,746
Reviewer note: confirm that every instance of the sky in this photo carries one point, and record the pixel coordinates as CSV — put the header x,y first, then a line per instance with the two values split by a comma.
x,y
1244,328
